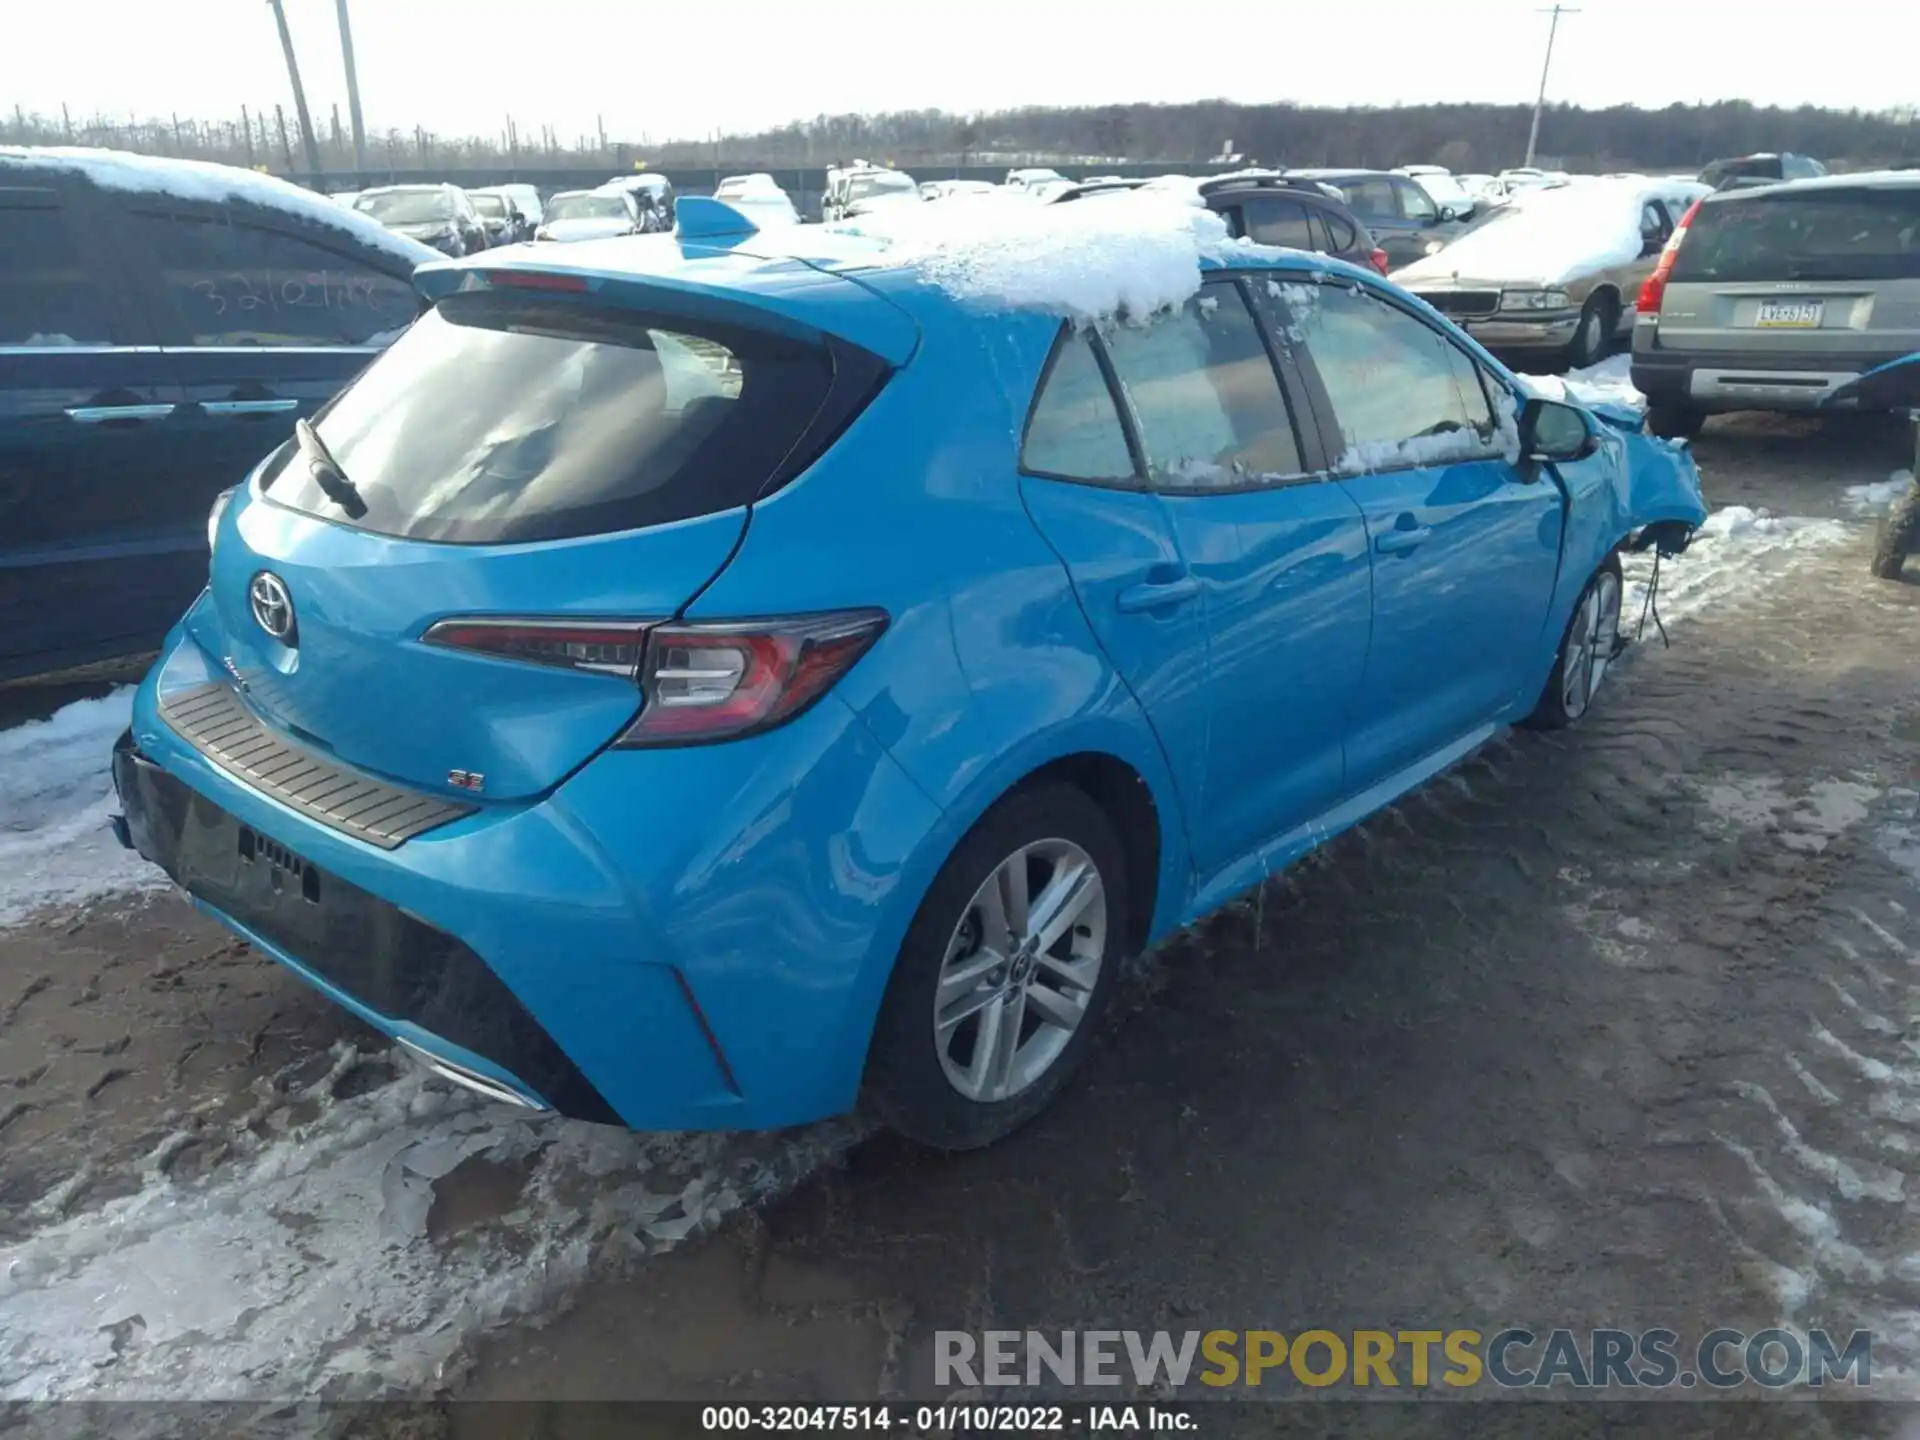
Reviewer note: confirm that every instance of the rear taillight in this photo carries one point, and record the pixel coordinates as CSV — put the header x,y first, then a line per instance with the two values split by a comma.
x,y
1379,260
700,682
1653,290
611,647
708,682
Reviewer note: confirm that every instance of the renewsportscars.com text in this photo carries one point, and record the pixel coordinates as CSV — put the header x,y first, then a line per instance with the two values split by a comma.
x,y
1512,1359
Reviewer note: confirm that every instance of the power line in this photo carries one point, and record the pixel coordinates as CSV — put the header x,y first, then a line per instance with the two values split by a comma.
x,y
1533,135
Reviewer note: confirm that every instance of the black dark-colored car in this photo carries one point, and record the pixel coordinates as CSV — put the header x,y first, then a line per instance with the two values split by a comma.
x,y
438,215
1403,218
161,327
1277,210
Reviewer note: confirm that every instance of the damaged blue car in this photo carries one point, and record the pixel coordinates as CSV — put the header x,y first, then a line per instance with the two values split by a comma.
x,y
724,679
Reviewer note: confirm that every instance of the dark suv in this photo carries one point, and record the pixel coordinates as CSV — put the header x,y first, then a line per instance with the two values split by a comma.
x,y
1275,210
1405,219
161,327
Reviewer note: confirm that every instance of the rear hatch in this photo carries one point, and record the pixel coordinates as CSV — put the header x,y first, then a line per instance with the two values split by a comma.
x,y
1798,274
519,453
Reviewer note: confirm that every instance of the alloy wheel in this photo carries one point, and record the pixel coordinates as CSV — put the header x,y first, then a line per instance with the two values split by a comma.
x,y
1590,644
1020,968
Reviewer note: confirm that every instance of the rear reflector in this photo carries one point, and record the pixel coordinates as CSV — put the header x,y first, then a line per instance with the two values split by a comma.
x,y
609,647
712,682
537,280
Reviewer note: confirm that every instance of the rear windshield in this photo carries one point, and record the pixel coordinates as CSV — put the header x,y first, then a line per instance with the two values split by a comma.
x,y
1720,171
500,419
1813,235
407,207
587,207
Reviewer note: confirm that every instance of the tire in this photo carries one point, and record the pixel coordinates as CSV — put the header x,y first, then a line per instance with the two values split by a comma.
x,y
920,1072
1599,317
1898,535
1674,422
1587,651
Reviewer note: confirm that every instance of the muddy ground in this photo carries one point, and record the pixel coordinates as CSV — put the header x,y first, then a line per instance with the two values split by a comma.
x,y
1609,1027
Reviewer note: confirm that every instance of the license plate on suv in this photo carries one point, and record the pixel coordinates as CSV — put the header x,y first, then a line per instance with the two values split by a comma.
x,y
1789,314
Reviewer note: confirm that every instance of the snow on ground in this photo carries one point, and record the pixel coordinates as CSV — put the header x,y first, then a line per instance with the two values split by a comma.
x,y
217,184
1875,498
1133,254
1738,550
56,793
310,1266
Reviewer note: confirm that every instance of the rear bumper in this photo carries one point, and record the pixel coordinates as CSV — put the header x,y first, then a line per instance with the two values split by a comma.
x,y
1728,380
682,939
418,983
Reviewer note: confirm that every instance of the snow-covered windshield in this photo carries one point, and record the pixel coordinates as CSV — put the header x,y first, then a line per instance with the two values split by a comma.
x,y
494,207
586,207
406,207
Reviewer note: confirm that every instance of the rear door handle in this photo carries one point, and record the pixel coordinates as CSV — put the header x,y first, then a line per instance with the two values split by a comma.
x,y
1398,542
249,407
124,414
1157,595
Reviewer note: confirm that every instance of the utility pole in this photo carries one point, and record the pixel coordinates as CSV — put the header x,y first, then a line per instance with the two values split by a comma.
x,y
299,96
1553,28
246,129
353,89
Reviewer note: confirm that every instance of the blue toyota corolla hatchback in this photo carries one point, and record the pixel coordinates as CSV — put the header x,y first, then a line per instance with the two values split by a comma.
x,y
714,680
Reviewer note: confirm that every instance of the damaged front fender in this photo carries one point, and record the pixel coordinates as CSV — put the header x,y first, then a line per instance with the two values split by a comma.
x,y
1662,505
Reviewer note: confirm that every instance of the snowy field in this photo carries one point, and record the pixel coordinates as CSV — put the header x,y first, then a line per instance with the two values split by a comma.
x,y
305,1265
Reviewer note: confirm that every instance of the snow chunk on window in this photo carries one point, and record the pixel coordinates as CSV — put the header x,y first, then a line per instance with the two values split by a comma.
x,y
214,184
1365,456
1131,254
1609,382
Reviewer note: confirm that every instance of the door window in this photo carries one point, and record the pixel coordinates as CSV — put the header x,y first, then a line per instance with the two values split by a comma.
x,y
1402,394
1415,204
1204,394
1279,222
237,284
1075,431
1372,197
46,295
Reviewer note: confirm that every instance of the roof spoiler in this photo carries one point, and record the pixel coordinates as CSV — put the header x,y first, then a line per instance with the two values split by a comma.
x,y
701,217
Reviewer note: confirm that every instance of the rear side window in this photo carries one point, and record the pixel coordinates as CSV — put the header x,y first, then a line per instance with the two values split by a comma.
x,y
1203,390
1279,222
1340,234
1403,395
46,295
1816,235
237,284
1075,431
501,419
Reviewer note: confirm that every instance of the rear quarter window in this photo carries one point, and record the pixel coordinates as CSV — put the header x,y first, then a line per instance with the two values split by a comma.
x,y
506,419
1816,235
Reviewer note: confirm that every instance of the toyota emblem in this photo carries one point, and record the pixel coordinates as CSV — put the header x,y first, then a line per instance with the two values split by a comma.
x,y
272,606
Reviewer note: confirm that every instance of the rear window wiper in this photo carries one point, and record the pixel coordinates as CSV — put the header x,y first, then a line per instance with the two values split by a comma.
x,y
326,471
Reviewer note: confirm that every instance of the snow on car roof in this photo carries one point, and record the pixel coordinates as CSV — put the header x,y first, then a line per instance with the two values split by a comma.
x,y
1553,235
216,184
1134,253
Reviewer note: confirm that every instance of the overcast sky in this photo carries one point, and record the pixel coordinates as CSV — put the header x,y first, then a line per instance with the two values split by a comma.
x,y
673,68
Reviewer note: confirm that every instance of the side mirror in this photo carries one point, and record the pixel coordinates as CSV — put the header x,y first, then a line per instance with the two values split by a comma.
x,y
1652,245
1550,431
1452,212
